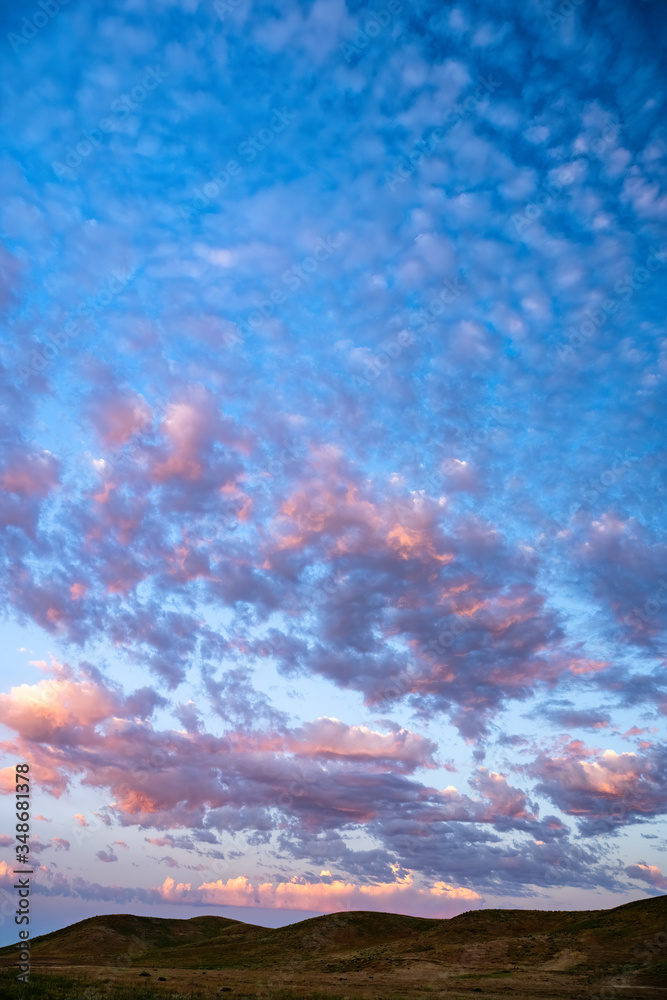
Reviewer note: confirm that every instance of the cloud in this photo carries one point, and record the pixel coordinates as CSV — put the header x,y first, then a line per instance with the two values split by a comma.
x,y
419,474
647,873
6,874
117,415
54,709
440,899
563,713
161,841
331,739
375,638
316,781
30,475
623,561
106,856
27,478
400,896
604,789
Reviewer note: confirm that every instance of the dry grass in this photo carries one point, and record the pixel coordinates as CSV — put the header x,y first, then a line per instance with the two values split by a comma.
x,y
525,955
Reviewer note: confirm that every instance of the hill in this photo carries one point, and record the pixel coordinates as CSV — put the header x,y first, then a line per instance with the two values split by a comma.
x,y
532,953
122,936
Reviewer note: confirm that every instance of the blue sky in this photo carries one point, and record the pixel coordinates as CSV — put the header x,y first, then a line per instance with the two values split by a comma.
x,y
333,364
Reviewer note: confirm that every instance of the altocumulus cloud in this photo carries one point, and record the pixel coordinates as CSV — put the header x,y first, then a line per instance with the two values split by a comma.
x,y
330,506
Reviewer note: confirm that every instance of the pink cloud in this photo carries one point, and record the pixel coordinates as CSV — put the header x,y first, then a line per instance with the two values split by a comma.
x,y
500,801
26,480
328,506
29,474
400,896
440,899
191,428
44,770
52,708
118,415
505,800
170,779
418,602
647,873
329,738
174,892
605,787
8,779
581,666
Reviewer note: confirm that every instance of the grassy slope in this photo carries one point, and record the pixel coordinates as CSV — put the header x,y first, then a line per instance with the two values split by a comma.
x,y
478,942
120,935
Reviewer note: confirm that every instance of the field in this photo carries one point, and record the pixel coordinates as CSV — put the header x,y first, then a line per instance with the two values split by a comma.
x,y
517,954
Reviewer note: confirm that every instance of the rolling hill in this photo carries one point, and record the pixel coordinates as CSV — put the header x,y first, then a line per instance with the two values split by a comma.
x,y
531,953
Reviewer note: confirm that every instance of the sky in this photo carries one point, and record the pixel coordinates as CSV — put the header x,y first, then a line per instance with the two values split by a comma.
x,y
332,373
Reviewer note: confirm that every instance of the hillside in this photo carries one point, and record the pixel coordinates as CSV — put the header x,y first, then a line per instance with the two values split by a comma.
x,y
110,937
530,952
